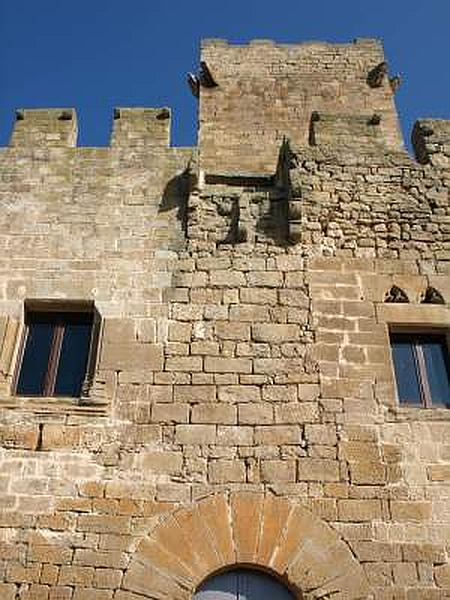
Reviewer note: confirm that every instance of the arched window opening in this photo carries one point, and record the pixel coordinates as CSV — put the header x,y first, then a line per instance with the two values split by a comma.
x,y
243,584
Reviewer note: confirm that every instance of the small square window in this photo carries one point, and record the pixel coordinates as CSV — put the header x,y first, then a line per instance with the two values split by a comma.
x,y
58,351
421,364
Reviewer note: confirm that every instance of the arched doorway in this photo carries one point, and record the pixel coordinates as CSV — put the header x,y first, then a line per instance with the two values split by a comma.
x,y
242,584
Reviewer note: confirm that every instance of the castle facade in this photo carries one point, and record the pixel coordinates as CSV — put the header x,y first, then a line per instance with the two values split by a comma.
x,y
227,366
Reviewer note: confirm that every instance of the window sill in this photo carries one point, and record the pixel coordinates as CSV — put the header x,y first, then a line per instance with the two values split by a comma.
x,y
52,405
417,413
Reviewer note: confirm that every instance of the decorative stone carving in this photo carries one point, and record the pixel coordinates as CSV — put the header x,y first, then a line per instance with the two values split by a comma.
x,y
395,83
205,77
376,76
194,84
397,295
432,296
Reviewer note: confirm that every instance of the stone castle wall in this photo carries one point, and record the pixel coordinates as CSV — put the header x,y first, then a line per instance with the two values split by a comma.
x,y
243,408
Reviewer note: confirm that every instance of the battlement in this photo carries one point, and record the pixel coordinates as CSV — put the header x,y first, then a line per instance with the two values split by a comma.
x,y
45,127
267,42
141,127
57,127
253,96
205,354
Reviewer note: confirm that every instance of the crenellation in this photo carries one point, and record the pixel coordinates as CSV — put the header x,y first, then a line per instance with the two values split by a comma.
x,y
51,127
247,294
141,127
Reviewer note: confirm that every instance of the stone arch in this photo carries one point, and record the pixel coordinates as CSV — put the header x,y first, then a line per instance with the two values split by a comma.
x,y
243,528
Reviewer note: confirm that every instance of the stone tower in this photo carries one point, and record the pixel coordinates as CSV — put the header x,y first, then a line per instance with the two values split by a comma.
x,y
234,355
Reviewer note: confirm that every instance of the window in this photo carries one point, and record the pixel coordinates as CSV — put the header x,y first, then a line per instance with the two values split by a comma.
x,y
242,584
58,350
421,364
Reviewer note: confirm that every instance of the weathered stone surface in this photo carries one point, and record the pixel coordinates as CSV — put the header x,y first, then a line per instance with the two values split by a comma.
x,y
240,403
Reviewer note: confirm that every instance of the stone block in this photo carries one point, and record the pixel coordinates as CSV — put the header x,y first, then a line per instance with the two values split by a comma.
x,y
246,510
131,357
410,510
282,435
191,364
214,413
61,592
255,414
102,524
226,471
170,413
359,510
76,575
274,332
227,365
92,594
123,329
194,393
439,472
280,393
179,331
442,576
371,551
274,471
230,435
250,313
297,412
368,473
411,314
17,573
232,331
265,279
424,552
238,393
56,554
7,591
160,463
226,278
316,469
321,434
258,295
106,578
195,434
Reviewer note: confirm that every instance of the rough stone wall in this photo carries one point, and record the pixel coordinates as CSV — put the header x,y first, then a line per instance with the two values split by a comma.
x,y
243,408
267,91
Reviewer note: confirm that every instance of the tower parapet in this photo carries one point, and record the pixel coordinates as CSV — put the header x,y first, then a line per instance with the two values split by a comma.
x,y
264,91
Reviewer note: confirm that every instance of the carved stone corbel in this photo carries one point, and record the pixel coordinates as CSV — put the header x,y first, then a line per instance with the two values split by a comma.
x,y
376,75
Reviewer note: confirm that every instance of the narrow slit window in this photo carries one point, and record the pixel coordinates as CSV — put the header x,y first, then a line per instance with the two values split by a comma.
x,y
421,364
56,353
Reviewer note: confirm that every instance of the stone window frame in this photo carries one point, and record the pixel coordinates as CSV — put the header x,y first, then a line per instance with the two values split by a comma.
x,y
60,404
411,318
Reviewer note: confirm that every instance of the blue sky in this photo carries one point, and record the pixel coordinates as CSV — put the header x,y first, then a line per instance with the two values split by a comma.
x,y
98,54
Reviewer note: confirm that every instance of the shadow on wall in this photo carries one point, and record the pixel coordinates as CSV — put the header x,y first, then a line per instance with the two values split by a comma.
x,y
175,196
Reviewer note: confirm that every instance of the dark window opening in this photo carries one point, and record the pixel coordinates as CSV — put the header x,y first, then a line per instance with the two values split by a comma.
x,y
243,584
58,353
421,364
